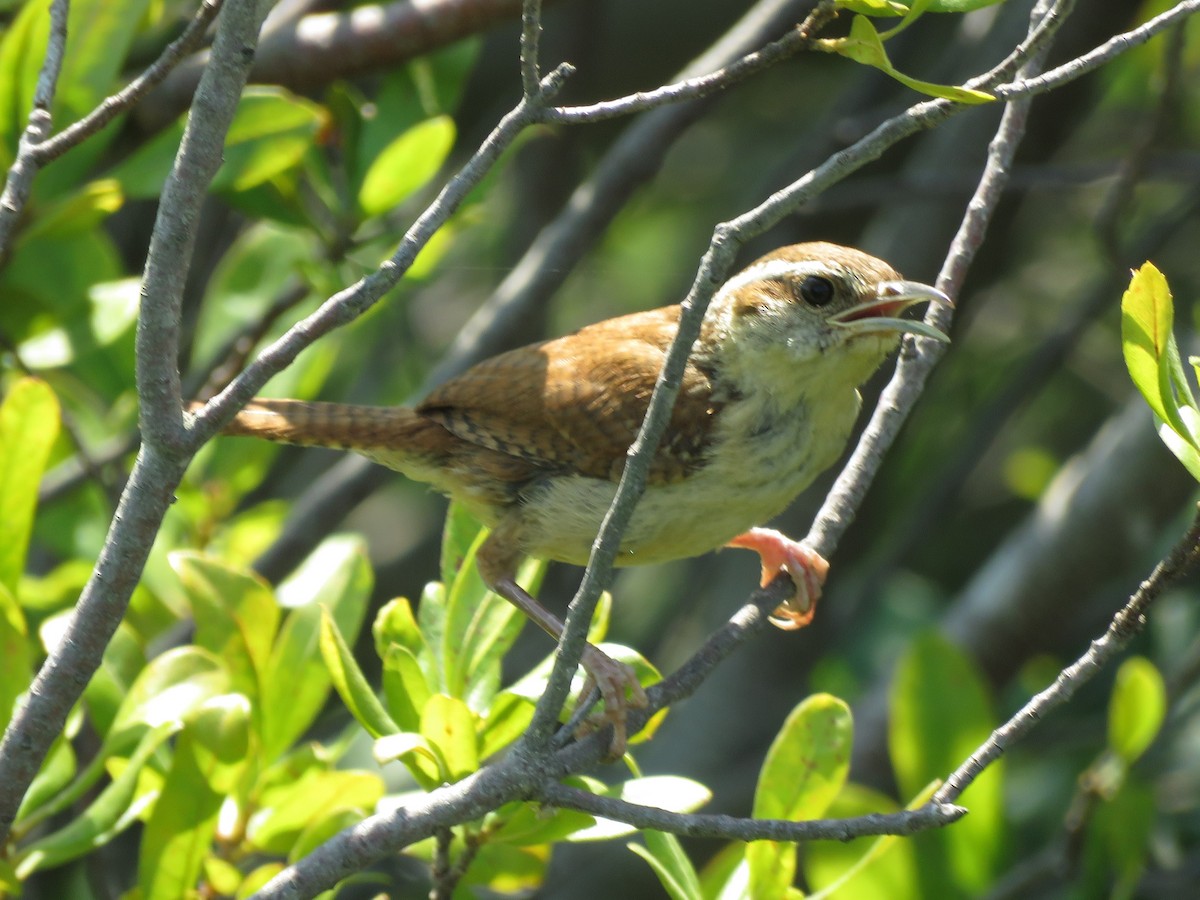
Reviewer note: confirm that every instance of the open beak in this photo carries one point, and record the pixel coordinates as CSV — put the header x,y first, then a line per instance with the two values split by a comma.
x,y
883,312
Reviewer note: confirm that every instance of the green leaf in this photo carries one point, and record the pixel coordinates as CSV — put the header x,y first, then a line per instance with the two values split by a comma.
x,y
902,8
448,724
223,739
675,871
405,687
80,210
396,624
236,616
1147,315
290,809
108,815
805,769
28,428
17,671
864,46
506,720
940,713
874,868
270,133
1152,357
422,758
1137,708
165,693
180,830
406,164
335,578
528,824
350,683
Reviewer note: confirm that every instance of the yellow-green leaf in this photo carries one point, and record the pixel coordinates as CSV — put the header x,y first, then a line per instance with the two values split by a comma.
x,y
28,429
863,45
1137,708
405,164
1147,315
805,769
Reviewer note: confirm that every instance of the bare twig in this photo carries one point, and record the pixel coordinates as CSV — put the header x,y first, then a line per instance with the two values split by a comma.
x,y
1128,621
795,40
113,106
19,182
736,828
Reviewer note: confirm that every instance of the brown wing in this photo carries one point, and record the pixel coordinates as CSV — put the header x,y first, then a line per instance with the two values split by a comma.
x,y
575,403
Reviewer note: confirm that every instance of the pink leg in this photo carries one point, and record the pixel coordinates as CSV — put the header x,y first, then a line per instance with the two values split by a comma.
x,y
806,567
617,682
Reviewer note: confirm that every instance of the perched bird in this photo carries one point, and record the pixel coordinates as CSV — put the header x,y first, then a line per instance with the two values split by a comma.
x,y
533,441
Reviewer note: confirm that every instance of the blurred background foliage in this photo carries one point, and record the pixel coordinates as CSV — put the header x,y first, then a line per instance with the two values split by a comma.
x,y
1025,500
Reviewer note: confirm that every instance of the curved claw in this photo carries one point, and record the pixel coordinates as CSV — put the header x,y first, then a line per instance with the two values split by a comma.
x,y
806,567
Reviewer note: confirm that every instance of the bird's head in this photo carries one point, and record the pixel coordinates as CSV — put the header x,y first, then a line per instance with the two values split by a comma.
x,y
815,310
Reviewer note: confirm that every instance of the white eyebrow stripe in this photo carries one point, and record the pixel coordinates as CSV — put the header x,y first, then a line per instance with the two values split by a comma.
x,y
772,268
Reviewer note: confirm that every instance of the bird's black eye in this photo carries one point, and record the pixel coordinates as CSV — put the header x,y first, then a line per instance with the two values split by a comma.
x,y
816,290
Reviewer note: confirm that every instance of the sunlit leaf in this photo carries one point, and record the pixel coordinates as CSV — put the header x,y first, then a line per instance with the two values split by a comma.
x,y
863,45
675,871
350,682
448,724
805,769
405,164
1137,708
28,428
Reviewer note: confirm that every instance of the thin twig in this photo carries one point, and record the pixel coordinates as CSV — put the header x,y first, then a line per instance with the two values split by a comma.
x,y
1128,621
737,828
19,182
114,105
799,38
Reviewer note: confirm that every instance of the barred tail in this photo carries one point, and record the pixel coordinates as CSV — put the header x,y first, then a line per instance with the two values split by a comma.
x,y
341,425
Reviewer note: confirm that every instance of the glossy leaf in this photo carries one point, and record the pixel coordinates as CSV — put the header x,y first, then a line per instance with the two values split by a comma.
x,y
28,428
867,868
108,815
334,580
223,739
404,687
289,810
448,724
350,682
675,871
417,753
406,164
166,693
180,830
1137,708
236,617
1152,358
805,769
1147,317
17,672
863,45
270,133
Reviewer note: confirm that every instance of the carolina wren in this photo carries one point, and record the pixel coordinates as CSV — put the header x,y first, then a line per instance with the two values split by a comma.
x,y
533,441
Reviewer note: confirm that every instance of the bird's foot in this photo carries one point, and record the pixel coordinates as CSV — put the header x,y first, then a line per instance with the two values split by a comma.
x,y
619,690
806,567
